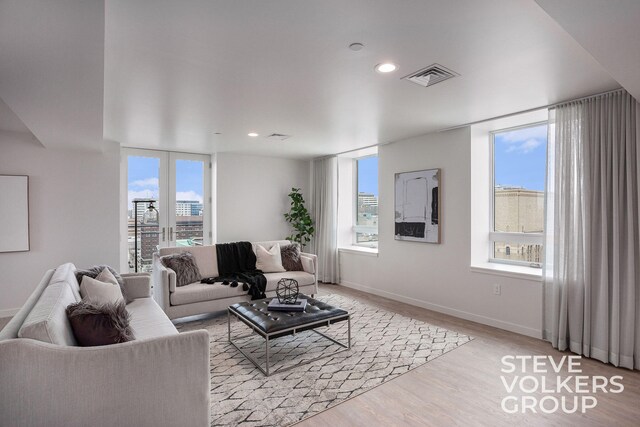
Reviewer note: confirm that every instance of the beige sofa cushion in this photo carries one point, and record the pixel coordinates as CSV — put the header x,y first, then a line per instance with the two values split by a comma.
x,y
148,320
67,273
205,257
303,278
48,321
197,292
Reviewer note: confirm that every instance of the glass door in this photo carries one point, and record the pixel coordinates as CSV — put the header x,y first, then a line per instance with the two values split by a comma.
x,y
190,193
178,187
146,190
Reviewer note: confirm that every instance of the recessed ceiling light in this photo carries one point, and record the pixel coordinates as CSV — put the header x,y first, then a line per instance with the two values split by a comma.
x,y
386,67
356,46
252,134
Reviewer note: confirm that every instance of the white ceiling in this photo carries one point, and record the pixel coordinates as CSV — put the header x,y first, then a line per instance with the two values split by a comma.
x,y
9,122
52,69
175,72
609,31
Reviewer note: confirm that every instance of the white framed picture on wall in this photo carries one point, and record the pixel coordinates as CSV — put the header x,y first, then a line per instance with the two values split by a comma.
x,y
417,206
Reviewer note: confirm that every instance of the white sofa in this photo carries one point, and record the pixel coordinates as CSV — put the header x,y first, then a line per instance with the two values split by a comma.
x,y
160,378
199,298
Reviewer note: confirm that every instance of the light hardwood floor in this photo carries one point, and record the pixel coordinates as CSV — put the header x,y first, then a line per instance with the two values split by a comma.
x,y
463,387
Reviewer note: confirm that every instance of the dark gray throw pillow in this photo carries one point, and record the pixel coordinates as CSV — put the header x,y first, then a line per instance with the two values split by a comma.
x,y
99,324
184,264
291,257
97,269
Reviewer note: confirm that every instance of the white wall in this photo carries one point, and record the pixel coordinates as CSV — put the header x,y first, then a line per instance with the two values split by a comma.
x,y
73,212
438,276
251,195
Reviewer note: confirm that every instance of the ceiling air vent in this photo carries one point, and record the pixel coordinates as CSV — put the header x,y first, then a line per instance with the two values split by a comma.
x,y
278,137
431,75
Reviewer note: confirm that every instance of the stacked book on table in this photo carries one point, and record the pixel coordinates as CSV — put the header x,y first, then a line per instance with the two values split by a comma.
x,y
275,305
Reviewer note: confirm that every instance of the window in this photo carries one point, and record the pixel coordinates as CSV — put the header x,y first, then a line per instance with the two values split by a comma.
x,y
180,186
366,218
519,168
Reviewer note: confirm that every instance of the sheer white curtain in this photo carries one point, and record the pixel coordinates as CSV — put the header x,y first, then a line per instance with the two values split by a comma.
x,y
592,253
325,209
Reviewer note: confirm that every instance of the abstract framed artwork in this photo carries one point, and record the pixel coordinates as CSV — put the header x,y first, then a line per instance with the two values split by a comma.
x,y
417,206
14,211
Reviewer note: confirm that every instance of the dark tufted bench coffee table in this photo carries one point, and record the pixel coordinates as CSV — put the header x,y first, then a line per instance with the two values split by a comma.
x,y
275,324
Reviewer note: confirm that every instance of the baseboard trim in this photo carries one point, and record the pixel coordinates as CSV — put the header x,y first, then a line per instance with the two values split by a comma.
x,y
496,323
8,312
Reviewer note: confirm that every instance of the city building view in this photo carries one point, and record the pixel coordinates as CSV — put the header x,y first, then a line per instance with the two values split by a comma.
x,y
518,210
183,226
518,202
367,217
366,221
188,231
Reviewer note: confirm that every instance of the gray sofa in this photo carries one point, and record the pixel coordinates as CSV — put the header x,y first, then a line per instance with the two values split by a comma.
x,y
160,378
198,298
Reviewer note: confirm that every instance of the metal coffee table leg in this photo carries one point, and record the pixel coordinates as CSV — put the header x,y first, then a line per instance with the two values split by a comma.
x,y
266,345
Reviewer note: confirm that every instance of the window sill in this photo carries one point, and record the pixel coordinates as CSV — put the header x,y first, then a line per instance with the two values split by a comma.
x,y
360,250
515,271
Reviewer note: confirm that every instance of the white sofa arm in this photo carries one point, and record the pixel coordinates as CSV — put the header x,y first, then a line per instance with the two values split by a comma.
x,y
137,285
156,382
164,281
312,267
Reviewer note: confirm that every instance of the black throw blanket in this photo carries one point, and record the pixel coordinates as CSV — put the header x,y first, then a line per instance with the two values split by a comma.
x,y
237,264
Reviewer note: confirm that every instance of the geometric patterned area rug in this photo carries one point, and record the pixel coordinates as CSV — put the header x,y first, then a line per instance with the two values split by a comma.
x,y
384,345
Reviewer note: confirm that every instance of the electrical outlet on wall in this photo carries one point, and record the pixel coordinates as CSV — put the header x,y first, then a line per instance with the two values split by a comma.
x,y
497,289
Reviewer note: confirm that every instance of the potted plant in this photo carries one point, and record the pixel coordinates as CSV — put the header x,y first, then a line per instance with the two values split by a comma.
x,y
298,217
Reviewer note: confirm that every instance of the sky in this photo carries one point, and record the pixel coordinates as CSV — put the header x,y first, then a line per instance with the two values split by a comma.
x,y
520,160
520,157
368,175
144,173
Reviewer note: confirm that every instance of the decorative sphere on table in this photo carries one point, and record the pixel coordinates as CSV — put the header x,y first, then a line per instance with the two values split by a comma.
x,y
287,291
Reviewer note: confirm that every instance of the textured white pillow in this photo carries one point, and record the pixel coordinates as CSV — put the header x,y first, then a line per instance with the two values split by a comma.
x,y
269,261
100,292
107,276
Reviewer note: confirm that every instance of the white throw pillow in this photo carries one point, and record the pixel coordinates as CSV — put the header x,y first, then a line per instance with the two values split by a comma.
x,y
100,292
269,261
107,276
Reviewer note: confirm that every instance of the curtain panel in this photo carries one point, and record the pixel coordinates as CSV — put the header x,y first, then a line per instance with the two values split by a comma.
x,y
325,213
592,253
